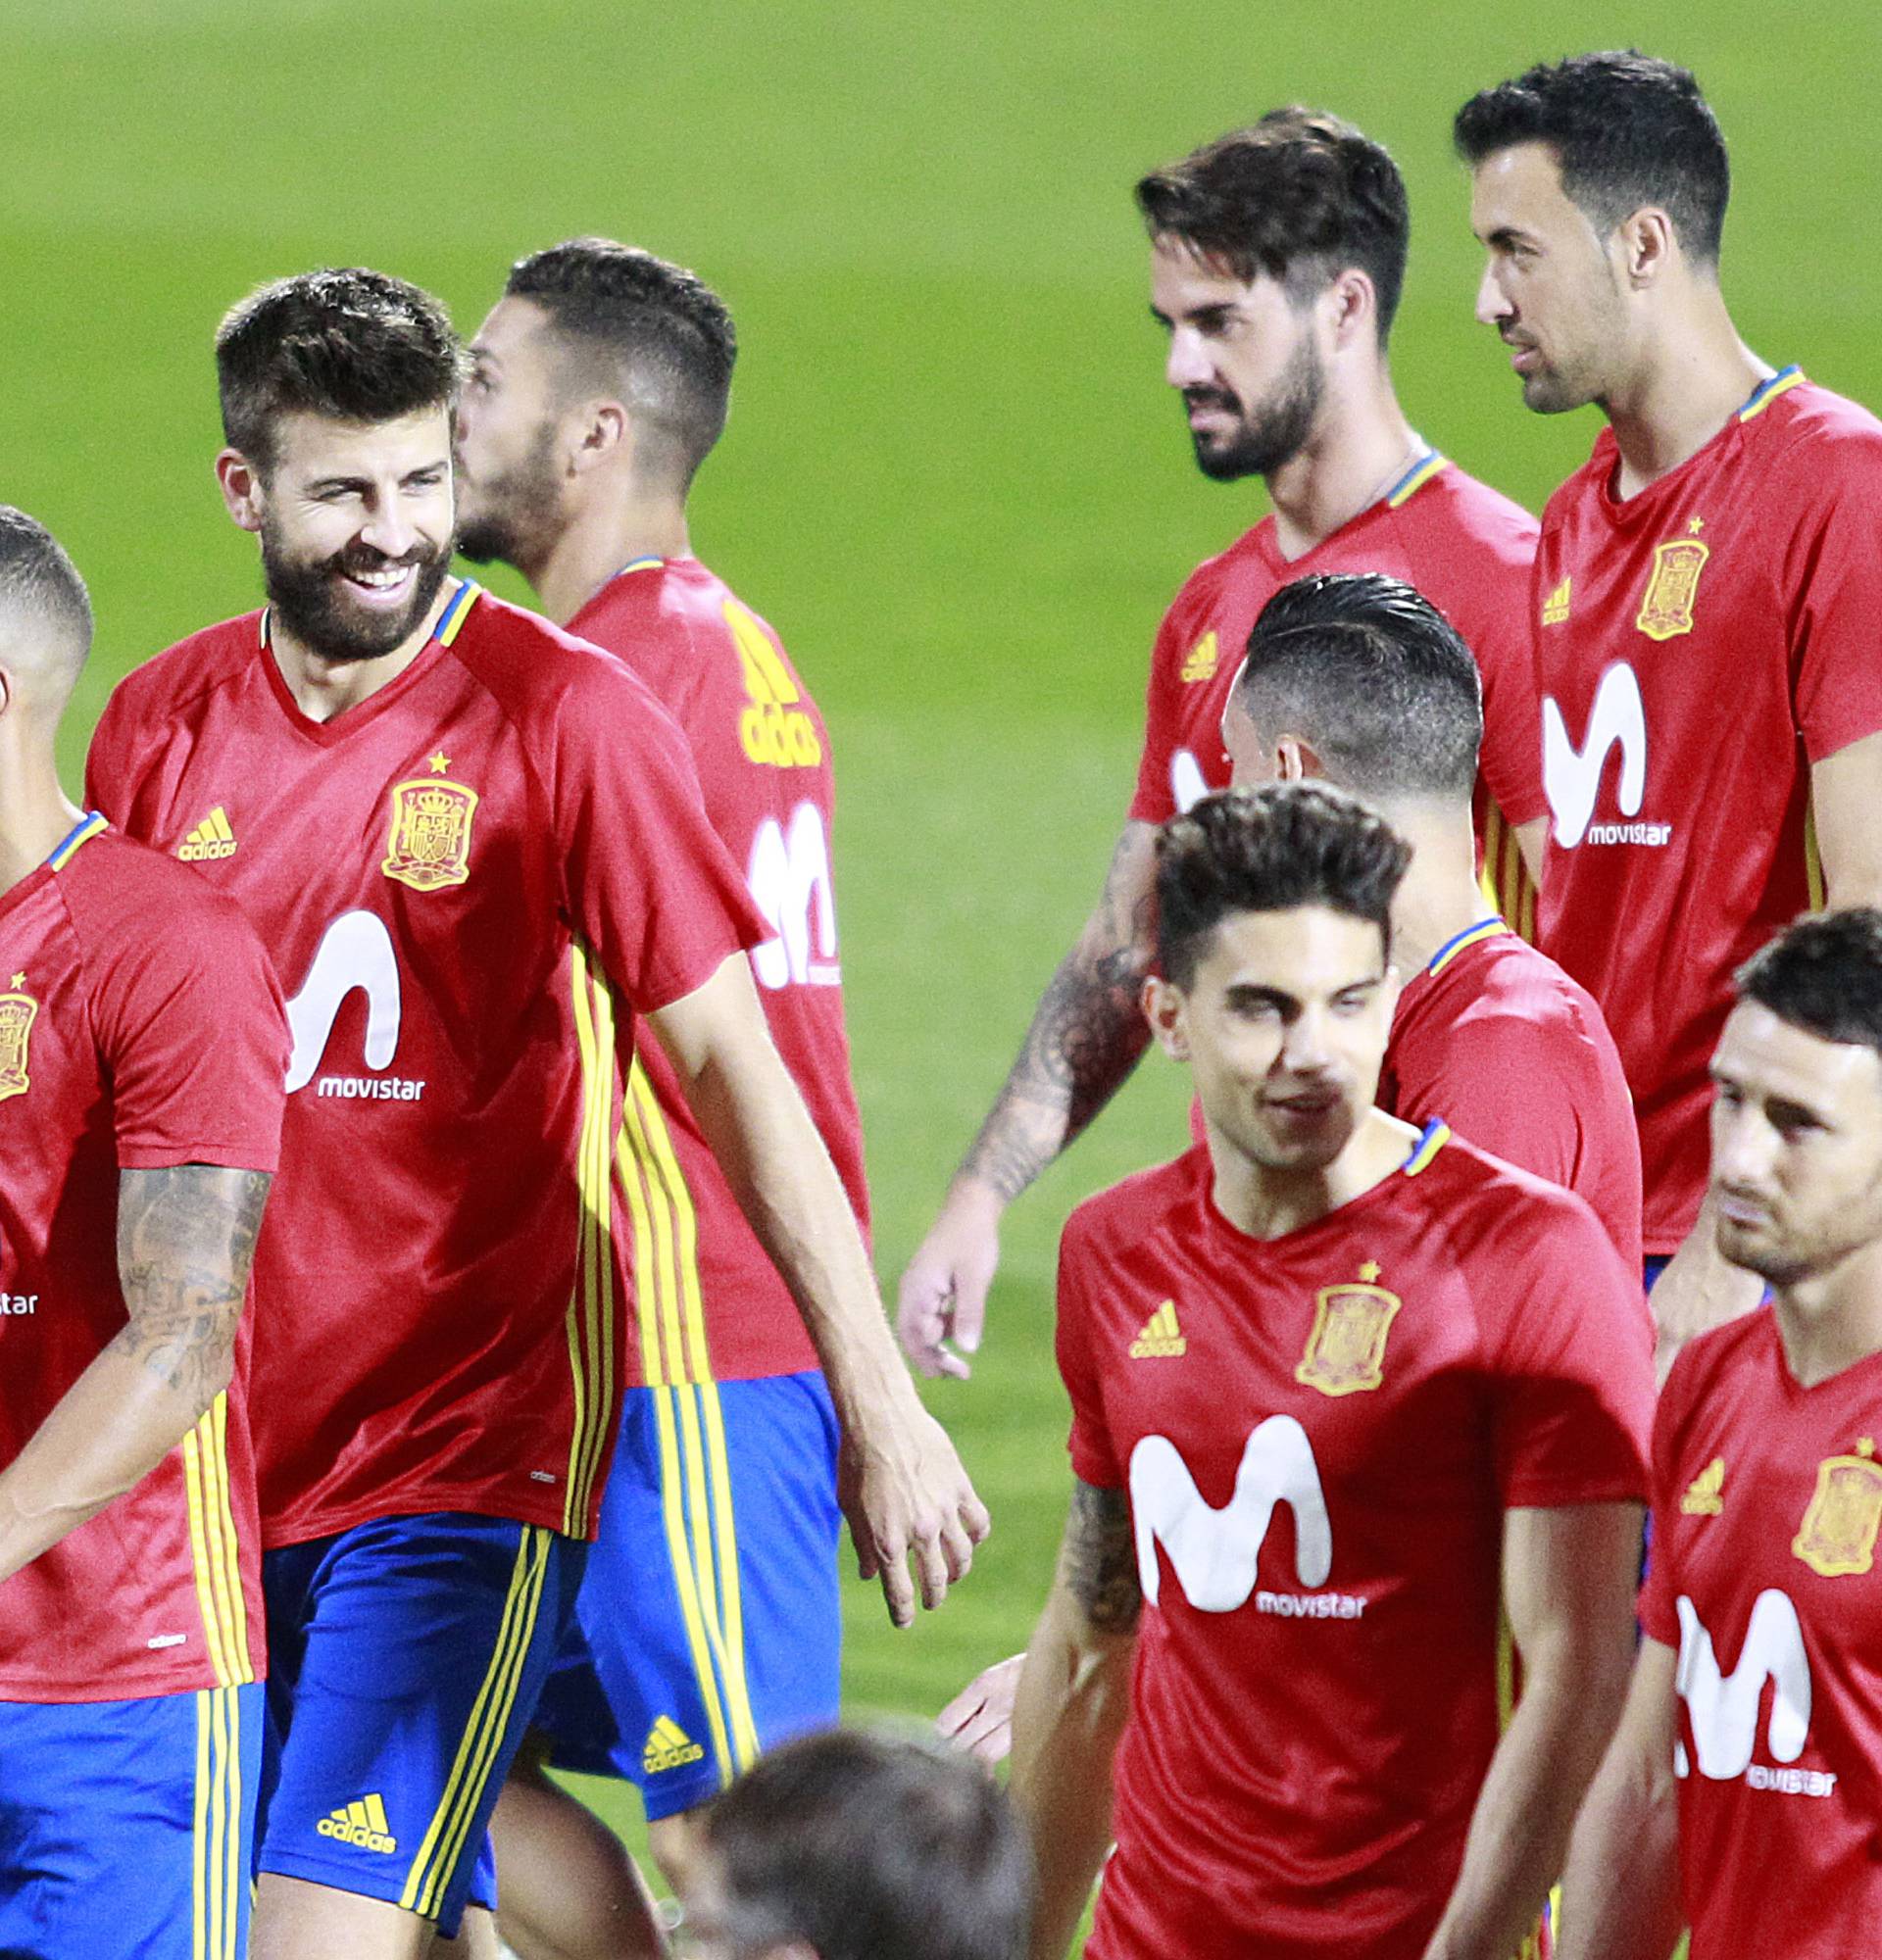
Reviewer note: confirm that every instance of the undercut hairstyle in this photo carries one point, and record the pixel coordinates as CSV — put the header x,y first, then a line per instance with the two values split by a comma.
x,y
1301,196
41,589
629,316
348,344
1823,975
1271,850
1625,129
871,1848
1374,678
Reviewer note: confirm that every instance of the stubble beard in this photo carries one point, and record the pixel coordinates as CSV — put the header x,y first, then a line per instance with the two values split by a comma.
x,y
1273,433
313,605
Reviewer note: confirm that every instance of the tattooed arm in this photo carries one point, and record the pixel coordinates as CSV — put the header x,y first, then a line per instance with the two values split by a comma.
x,y
185,1240
1087,1033
1074,1692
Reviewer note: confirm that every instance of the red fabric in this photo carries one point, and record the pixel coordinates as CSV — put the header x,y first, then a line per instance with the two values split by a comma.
x,y
158,1040
442,1333
764,759
1467,548
1781,1852
1305,1741
1768,664
1518,1060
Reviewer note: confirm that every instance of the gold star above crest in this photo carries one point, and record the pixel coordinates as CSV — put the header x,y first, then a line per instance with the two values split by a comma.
x,y
440,763
1370,1271
18,981
1695,527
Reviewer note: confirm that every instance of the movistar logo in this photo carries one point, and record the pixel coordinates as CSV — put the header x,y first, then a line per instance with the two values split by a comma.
x,y
1571,775
1215,1553
354,954
1724,1707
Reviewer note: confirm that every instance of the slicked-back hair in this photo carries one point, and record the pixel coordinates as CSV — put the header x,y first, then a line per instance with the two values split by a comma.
x,y
1271,850
346,343
1374,678
39,585
654,324
1626,130
868,1847
1301,196
1823,975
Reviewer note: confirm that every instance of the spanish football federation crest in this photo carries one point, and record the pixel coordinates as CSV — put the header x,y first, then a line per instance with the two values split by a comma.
x,y
18,1012
1666,609
430,842
1838,1533
1346,1351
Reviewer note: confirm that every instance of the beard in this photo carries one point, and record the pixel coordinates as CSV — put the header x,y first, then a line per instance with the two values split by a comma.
x,y
508,519
1270,435
310,597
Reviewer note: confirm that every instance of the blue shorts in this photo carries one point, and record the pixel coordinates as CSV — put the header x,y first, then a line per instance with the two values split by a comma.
x,y
127,1827
710,1623
405,1659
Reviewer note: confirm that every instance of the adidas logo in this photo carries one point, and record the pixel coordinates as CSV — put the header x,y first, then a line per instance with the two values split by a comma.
x,y
1201,661
363,1823
669,1747
1705,1495
1555,608
1162,1339
211,838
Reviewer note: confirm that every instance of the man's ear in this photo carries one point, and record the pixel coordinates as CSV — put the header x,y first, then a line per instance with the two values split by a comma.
x,y
1167,1009
603,433
1297,760
241,487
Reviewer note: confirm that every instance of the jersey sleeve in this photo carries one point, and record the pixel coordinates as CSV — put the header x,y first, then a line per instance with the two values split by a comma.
x,y
647,881
190,1025
1497,613
108,766
1504,1091
1659,1619
1094,1461
1154,801
1570,1364
1833,576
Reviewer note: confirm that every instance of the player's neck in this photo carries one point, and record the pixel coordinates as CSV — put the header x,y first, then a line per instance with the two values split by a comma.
x,y
1832,1320
1268,1204
35,814
1361,446
599,540
1439,896
1694,376
323,688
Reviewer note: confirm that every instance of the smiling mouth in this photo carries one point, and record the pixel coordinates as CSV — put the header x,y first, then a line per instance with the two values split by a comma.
x,y
384,584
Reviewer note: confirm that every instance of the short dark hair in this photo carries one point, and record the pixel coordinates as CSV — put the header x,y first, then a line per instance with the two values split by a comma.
x,y
1376,677
38,579
660,323
1626,130
1271,850
344,342
1823,975
1301,196
868,1847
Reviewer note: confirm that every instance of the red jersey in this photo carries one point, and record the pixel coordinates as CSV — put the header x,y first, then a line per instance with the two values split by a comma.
x,y
1320,1435
454,877
1517,1056
1766,1498
721,1311
140,1029
1718,631
1467,548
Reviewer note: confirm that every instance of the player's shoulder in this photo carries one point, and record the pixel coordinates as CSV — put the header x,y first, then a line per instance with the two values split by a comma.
x,y
114,885
1482,1201
1457,507
1244,558
1520,993
1715,1357
168,684
1131,1210
1813,435
538,674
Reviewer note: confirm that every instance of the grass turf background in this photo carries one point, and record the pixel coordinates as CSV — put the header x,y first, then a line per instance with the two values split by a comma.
x,y
953,478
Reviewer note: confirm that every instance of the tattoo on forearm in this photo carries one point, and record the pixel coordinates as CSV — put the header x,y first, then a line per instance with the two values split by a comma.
x,y
185,1240
1085,1038
1097,1562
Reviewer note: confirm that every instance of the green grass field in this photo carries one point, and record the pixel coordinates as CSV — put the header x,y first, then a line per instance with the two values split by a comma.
x,y
954,479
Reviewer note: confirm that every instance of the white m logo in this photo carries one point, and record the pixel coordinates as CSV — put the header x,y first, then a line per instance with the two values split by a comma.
x,y
1573,776
790,882
1216,1552
355,951
1186,785
1725,1707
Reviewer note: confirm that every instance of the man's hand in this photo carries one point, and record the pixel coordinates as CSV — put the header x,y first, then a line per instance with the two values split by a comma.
x,y
903,1491
1697,1290
944,1288
979,1719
